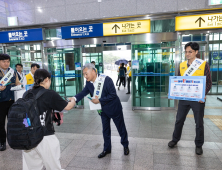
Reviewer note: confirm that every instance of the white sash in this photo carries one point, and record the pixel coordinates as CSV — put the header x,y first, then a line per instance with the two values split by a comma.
x,y
99,86
193,67
7,77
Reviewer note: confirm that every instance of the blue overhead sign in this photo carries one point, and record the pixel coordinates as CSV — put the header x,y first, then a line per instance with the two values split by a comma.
x,y
82,31
21,35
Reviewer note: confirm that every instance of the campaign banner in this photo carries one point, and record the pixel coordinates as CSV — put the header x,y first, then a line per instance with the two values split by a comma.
x,y
21,35
82,31
190,88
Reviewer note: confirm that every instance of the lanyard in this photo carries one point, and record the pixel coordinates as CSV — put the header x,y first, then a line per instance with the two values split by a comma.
x,y
7,77
193,67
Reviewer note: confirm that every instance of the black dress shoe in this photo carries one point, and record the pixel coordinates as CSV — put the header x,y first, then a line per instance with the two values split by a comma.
x,y
2,146
128,93
199,150
126,151
103,154
172,143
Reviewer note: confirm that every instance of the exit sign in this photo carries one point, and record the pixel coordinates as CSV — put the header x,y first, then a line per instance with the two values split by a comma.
x,y
215,2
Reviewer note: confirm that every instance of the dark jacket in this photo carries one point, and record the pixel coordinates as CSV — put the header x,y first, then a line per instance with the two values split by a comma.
x,y
109,100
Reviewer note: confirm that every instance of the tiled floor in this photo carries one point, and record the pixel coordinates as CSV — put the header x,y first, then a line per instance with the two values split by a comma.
x,y
149,132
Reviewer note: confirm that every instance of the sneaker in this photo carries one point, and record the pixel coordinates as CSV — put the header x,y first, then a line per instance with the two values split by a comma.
x,y
2,146
172,143
199,150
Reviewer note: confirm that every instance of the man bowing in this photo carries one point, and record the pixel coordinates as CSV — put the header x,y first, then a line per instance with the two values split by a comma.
x,y
103,91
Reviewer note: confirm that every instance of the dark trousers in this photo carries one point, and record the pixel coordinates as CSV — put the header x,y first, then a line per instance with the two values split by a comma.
x,y
120,125
117,80
4,108
128,84
198,111
123,81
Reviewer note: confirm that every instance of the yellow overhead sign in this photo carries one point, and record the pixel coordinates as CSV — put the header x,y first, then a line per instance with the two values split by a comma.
x,y
197,22
127,27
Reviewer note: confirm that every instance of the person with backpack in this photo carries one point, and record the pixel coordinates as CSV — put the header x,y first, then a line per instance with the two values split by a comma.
x,y
33,130
8,79
122,74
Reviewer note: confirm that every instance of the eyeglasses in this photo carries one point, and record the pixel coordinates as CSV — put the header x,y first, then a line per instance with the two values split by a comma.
x,y
190,52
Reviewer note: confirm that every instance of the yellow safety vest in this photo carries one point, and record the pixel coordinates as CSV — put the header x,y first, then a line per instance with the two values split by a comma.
x,y
128,68
29,79
198,72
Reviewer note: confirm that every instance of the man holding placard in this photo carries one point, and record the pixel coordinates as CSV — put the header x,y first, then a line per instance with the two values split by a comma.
x,y
8,79
192,67
103,92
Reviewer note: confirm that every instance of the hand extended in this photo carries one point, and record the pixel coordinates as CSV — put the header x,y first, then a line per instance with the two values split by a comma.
x,y
202,101
71,99
2,88
96,100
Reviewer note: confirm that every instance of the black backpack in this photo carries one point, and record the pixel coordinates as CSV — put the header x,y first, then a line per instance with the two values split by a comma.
x,y
23,134
121,72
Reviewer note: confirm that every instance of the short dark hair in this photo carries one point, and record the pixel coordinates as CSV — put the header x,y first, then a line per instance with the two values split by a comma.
x,y
93,62
129,61
18,65
39,76
5,57
35,65
195,46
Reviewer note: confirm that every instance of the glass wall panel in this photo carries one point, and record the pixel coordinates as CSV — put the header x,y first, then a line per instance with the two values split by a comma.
x,y
151,81
97,57
167,25
66,80
215,61
25,54
210,51
53,34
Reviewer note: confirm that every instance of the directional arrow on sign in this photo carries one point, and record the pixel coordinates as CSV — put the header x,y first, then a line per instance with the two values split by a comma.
x,y
115,26
200,19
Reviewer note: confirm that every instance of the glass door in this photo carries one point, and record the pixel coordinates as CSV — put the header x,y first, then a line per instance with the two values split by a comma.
x,y
215,61
150,81
97,57
66,78
25,54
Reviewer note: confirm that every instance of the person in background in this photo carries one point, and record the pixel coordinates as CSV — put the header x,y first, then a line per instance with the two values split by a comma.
x,y
126,65
122,75
129,77
93,62
19,69
6,95
29,78
118,75
47,152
